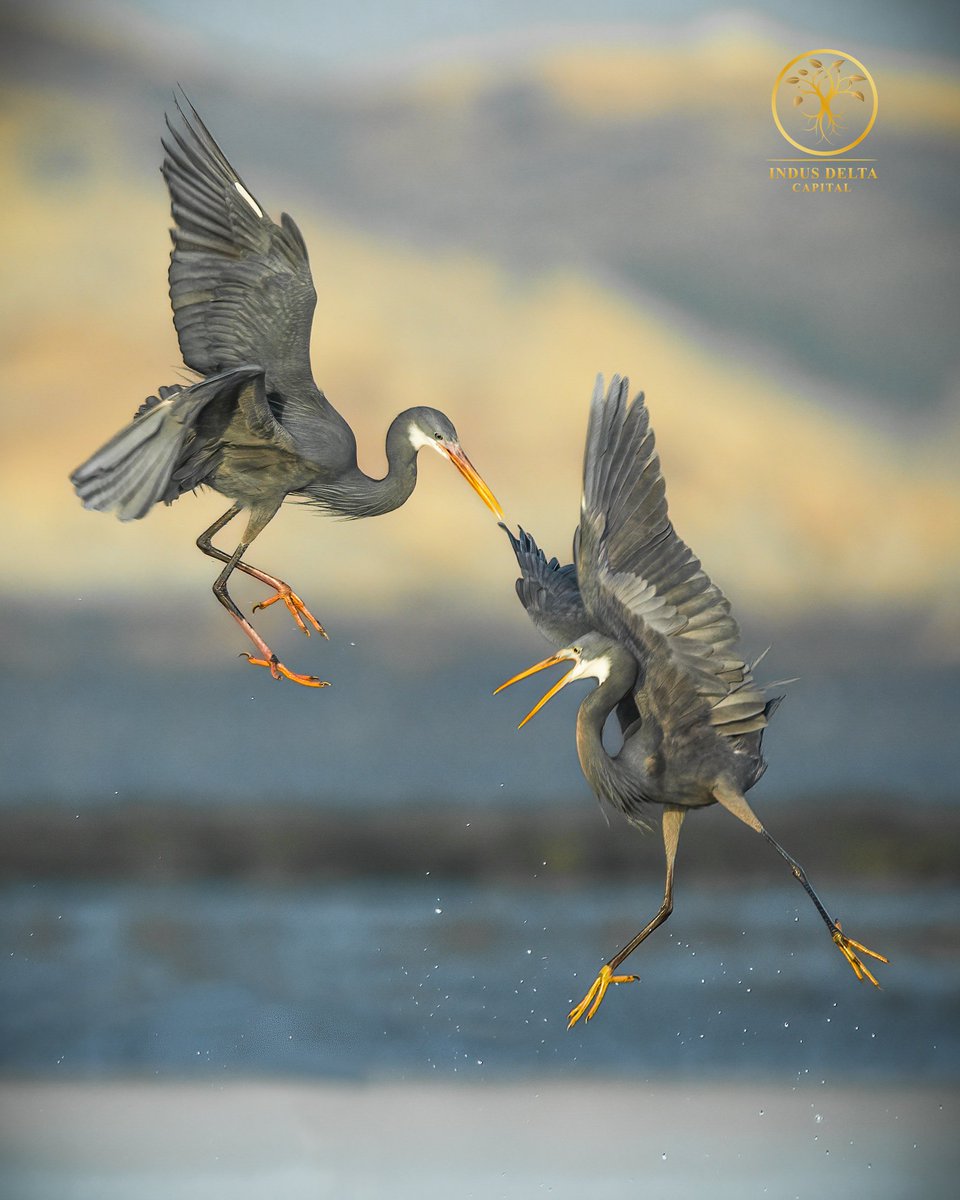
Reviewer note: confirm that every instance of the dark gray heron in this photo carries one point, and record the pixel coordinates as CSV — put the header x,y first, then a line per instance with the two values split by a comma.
x,y
255,427
637,613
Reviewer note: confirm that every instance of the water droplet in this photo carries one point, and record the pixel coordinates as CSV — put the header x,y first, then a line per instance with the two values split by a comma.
x,y
663,1157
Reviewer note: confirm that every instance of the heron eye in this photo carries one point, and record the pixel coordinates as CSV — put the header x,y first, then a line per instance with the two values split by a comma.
x,y
438,436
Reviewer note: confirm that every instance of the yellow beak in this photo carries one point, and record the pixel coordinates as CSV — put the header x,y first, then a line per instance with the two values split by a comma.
x,y
472,476
562,656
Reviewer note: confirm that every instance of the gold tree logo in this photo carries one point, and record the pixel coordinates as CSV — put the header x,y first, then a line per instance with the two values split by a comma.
x,y
824,102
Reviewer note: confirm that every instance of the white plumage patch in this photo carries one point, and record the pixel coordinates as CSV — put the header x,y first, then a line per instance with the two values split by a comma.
x,y
597,668
419,439
249,199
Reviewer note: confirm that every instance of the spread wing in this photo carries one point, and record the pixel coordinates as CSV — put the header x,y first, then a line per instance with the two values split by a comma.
x,y
641,584
240,284
548,592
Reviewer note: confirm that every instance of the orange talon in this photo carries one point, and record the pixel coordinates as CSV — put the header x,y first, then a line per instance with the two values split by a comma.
x,y
848,947
295,606
278,670
594,997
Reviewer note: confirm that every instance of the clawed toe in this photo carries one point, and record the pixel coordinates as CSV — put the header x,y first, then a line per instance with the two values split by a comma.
x,y
848,948
279,671
594,997
296,608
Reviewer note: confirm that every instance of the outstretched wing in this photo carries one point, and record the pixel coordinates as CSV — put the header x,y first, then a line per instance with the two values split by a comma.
x,y
641,584
240,285
548,592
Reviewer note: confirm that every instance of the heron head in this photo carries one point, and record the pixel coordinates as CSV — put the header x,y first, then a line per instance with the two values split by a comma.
x,y
430,427
591,656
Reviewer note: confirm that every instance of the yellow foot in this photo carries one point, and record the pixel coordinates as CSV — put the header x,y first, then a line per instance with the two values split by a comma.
x,y
594,997
279,671
295,606
848,947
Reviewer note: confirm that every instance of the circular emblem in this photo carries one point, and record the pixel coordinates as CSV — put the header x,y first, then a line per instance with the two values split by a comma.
x,y
824,102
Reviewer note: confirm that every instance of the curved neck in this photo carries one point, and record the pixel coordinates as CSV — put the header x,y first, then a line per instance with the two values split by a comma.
x,y
607,775
356,494
396,487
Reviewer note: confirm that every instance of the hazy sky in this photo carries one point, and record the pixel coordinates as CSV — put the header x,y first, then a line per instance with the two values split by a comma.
x,y
378,33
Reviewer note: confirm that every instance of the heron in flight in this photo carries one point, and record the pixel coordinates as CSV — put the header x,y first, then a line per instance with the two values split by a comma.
x,y
254,427
636,612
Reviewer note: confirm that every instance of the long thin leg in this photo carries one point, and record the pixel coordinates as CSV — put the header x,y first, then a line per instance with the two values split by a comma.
x,y
233,562
735,803
672,820
295,606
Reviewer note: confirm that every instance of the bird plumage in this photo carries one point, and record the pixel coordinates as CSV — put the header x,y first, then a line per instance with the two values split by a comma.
x,y
638,585
637,612
254,426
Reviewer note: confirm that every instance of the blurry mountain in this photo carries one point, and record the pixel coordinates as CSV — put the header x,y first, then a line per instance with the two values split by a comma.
x,y
486,235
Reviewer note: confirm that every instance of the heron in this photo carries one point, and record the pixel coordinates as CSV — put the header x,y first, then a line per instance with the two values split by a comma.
x,y
637,613
254,426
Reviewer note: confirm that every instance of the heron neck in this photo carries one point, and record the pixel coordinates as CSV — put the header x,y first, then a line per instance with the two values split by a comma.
x,y
357,494
607,774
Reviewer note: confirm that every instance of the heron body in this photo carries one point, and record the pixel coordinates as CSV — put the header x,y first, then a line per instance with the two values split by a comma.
x,y
636,612
254,426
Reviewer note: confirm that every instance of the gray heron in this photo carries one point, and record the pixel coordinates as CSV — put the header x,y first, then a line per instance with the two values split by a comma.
x,y
254,426
636,612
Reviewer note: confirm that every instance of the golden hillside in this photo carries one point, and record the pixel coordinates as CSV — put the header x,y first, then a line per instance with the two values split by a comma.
x,y
786,502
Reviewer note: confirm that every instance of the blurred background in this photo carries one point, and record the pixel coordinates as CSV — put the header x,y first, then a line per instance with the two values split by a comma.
x,y
211,879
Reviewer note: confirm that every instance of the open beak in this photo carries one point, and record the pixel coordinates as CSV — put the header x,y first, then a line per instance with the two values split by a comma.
x,y
540,666
470,474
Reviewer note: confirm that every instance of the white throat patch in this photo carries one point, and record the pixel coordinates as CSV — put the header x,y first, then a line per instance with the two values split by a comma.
x,y
592,668
419,439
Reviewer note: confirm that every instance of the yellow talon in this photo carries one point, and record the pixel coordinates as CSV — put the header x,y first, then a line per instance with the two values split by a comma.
x,y
594,997
278,670
848,947
295,606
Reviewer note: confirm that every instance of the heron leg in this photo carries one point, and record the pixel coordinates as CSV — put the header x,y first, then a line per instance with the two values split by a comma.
x,y
295,606
672,820
735,803
267,657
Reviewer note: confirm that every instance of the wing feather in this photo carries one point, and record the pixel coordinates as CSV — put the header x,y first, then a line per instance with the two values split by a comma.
x,y
548,592
240,284
641,584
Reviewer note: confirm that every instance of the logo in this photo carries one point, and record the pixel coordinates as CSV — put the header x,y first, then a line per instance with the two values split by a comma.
x,y
824,103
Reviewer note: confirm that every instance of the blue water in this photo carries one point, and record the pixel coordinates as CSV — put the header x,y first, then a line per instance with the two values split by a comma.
x,y
430,978
105,705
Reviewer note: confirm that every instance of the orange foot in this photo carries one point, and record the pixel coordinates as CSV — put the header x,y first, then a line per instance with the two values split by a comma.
x,y
848,947
594,997
279,671
295,606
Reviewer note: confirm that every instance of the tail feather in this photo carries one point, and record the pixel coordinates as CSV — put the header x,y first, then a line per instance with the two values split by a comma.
x,y
142,478
137,467
124,472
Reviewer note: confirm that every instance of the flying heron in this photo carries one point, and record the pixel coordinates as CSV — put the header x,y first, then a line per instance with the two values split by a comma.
x,y
255,427
637,613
